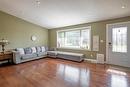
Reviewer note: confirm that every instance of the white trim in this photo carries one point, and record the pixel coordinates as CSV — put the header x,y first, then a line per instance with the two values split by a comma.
x,y
56,38
119,23
107,56
91,60
73,48
80,28
107,43
90,39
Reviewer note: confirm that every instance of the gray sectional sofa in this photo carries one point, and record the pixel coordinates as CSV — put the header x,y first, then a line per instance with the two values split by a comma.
x,y
26,54
31,53
66,55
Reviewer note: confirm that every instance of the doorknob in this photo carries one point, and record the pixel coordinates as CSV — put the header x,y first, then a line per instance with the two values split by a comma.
x,y
110,44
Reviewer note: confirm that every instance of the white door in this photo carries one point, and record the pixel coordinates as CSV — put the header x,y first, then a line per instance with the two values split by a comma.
x,y
118,44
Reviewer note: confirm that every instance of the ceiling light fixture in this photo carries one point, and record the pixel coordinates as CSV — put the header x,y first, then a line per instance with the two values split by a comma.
x,y
38,2
123,7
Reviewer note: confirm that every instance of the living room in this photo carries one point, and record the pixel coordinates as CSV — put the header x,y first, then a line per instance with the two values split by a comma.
x,y
64,43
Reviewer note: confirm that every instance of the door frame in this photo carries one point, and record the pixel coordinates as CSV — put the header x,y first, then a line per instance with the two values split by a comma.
x,y
107,54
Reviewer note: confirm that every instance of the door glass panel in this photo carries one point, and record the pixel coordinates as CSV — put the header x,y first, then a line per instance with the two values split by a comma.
x,y
119,39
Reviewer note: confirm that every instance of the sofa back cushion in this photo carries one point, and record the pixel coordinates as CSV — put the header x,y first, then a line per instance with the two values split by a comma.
x,y
33,49
28,50
20,50
38,49
43,48
29,56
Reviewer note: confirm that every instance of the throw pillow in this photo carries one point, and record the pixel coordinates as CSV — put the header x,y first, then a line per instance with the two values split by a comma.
x,y
39,49
20,50
28,50
33,49
43,49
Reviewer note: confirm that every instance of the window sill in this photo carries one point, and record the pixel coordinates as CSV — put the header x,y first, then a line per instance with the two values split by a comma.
x,y
73,48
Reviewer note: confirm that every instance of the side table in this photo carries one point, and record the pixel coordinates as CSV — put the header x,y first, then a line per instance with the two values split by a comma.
x,y
6,56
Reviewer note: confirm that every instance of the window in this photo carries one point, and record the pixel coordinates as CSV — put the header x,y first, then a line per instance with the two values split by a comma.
x,y
119,39
76,38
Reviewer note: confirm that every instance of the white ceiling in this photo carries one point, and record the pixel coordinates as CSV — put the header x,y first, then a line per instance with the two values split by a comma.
x,y
60,13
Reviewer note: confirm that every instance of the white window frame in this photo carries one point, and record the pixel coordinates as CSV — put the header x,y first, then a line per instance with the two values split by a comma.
x,y
81,28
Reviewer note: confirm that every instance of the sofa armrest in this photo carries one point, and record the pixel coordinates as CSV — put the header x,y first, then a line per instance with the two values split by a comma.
x,y
16,57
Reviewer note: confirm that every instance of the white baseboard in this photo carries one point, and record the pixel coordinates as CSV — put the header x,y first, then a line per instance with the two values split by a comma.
x,y
91,60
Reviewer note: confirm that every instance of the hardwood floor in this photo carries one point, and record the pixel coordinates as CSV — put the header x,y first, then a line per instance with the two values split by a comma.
x,y
62,73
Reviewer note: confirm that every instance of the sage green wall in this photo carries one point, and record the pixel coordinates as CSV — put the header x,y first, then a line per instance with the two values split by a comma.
x,y
97,28
19,32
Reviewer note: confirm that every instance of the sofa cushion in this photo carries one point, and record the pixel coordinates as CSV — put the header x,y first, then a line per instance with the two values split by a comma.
x,y
52,52
38,49
70,53
20,50
28,50
28,56
43,49
41,54
33,49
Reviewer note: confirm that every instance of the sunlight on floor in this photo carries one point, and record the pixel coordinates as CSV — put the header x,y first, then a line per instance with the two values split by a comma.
x,y
118,81
112,71
118,78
